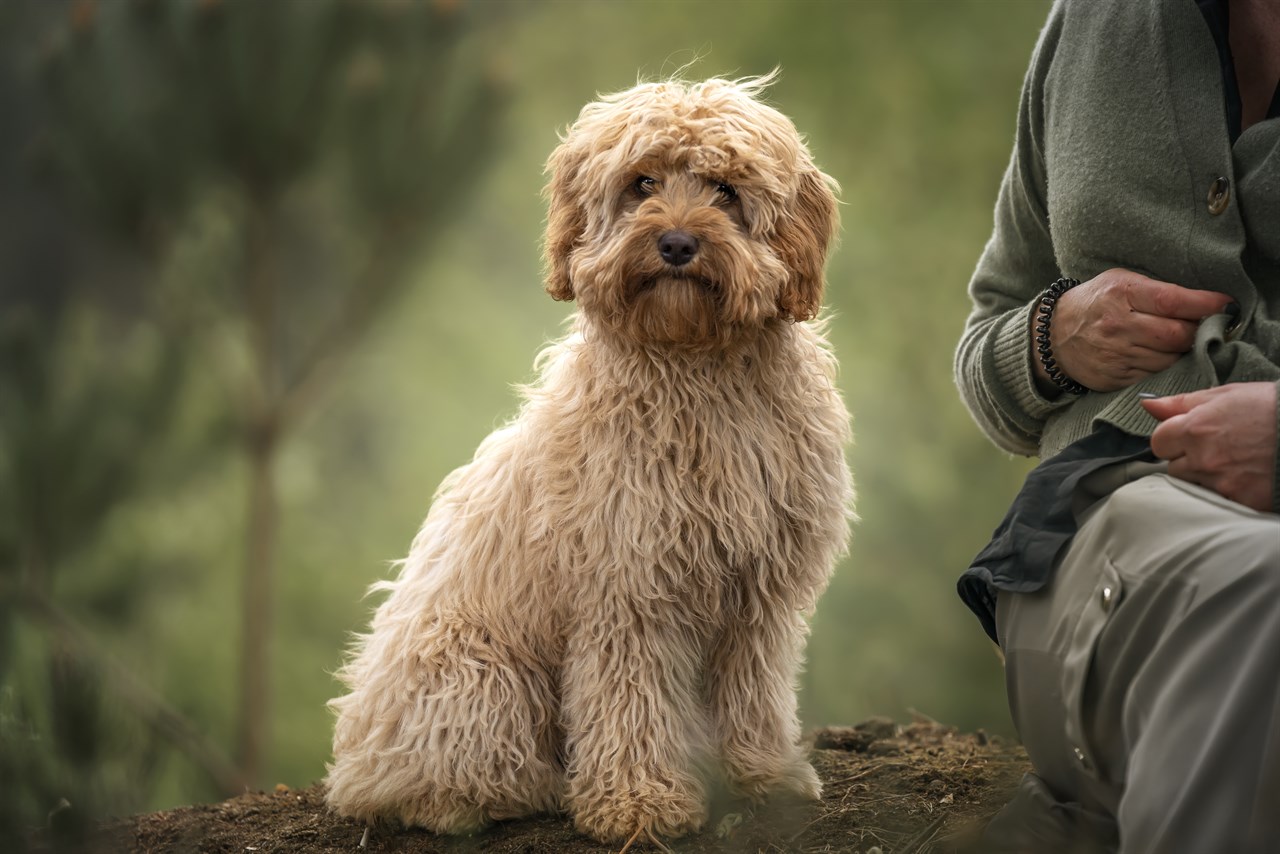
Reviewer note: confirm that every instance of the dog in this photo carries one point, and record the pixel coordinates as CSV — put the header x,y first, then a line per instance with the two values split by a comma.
x,y
613,593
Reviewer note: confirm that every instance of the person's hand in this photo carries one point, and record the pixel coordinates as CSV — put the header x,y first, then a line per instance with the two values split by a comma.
x,y
1222,438
1120,327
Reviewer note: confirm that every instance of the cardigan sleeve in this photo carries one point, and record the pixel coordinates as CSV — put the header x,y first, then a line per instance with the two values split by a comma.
x,y
993,368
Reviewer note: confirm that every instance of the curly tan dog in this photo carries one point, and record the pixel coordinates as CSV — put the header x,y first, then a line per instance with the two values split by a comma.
x,y
614,590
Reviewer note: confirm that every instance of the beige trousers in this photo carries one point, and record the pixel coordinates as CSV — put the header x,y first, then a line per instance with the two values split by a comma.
x,y
1145,678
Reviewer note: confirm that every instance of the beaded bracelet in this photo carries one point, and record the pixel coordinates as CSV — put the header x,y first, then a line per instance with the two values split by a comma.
x,y
1044,311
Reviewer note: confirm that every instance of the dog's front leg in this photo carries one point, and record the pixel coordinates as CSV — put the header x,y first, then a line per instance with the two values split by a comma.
x,y
752,674
635,729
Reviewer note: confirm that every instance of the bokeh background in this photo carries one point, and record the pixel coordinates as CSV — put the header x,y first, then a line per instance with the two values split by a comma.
x,y
269,270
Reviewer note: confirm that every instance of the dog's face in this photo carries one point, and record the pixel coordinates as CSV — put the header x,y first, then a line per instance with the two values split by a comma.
x,y
683,214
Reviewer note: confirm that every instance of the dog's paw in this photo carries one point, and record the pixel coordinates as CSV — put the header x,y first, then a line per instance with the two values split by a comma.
x,y
445,815
660,810
797,780
802,781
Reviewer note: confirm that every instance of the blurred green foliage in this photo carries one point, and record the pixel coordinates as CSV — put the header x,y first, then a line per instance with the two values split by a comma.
x,y
136,173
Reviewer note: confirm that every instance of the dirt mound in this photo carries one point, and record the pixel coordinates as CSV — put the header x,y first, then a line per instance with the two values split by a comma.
x,y
895,789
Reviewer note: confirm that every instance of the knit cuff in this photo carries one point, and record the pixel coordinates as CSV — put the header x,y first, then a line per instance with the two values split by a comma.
x,y
1014,368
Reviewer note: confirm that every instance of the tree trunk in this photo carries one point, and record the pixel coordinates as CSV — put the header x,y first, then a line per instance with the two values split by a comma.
x,y
261,442
257,606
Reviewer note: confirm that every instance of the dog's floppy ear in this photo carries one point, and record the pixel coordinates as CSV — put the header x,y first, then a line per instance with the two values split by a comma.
x,y
566,218
801,241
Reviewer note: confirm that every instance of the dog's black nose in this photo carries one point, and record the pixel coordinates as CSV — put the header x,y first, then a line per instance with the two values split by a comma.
x,y
677,247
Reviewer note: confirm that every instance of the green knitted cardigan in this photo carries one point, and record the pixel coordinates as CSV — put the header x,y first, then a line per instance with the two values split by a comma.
x,y
1121,135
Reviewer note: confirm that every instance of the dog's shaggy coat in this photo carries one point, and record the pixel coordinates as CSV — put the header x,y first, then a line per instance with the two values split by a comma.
x,y
615,588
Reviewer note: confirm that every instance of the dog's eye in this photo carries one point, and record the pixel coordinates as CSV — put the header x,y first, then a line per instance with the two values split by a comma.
x,y
727,192
645,186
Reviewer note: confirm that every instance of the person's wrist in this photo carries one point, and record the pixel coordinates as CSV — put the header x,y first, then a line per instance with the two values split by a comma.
x,y
1044,385
1048,370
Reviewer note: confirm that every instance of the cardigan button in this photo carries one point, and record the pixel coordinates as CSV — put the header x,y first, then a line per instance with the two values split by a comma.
x,y
1219,196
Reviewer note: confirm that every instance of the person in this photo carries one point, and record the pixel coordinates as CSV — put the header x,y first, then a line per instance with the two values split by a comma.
x,y
1125,327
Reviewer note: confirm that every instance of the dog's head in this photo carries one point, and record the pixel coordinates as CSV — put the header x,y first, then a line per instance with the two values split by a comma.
x,y
683,214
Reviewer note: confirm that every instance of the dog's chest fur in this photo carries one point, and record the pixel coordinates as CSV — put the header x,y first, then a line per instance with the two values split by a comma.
x,y
697,478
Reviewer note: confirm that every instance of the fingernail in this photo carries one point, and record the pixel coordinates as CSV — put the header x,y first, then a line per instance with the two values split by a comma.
x,y
1232,309
1149,395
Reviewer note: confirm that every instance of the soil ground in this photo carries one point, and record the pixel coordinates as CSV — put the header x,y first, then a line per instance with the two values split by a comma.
x,y
888,789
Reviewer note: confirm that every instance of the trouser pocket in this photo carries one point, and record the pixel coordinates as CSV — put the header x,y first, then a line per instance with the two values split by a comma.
x,y
1095,613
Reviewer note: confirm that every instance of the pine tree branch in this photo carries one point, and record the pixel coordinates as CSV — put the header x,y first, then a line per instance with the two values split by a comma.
x,y
379,280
